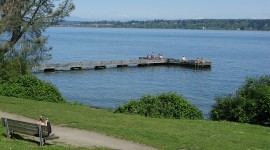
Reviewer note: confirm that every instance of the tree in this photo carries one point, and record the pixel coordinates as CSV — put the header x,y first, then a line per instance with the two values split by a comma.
x,y
22,23
250,103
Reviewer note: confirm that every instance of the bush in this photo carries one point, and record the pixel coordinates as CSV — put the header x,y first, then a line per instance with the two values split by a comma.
x,y
10,68
30,87
167,105
250,104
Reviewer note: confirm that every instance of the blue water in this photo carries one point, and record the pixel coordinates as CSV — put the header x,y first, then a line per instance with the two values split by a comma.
x,y
234,55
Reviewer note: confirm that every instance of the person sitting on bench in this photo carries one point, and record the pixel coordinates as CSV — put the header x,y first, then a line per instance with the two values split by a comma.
x,y
45,122
42,121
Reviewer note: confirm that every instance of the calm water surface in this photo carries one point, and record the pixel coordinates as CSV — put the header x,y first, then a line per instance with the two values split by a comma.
x,y
234,55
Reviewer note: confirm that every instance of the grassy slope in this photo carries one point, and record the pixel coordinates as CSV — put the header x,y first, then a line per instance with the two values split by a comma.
x,y
15,144
18,144
160,133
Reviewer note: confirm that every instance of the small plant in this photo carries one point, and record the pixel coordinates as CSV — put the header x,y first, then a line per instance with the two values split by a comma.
x,y
167,105
250,104
30,87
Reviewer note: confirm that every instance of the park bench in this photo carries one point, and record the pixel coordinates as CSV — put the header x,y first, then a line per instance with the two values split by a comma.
x,y
37,130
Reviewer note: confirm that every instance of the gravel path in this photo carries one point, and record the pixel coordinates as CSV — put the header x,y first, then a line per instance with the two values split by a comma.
x,y
83,138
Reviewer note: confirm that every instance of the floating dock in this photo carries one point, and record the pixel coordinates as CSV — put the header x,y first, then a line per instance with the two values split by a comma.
x,y
142,61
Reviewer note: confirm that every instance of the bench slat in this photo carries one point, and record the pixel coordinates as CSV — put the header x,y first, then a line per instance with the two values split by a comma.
x,y
10,125
10,121
26,129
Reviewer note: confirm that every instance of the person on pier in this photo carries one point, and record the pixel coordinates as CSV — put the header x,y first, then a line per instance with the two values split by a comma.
x,y
184,58
160,56
200,60
152,55
148,56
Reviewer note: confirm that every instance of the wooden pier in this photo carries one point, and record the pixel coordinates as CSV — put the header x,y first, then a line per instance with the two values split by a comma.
x,y
124,63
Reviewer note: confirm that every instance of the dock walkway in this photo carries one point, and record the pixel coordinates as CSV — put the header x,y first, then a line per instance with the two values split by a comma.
x,y
123,63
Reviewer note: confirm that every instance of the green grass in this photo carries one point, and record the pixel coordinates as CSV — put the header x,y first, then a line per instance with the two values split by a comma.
x,y
18,144
160,133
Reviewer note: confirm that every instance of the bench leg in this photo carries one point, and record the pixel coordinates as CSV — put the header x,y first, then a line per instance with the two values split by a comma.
x,y
7,128
8,134
40,136
42,141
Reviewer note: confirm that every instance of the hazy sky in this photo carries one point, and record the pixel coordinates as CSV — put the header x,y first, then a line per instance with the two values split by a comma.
x,y
171,9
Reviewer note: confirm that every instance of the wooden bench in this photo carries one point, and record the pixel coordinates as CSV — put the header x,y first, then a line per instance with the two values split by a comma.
x,y
37,130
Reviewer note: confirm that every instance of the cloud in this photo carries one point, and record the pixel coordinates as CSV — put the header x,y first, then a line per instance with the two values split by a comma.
x,y
252,17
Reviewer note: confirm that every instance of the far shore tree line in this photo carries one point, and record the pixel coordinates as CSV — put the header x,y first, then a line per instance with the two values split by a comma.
x,y
201,24
23,45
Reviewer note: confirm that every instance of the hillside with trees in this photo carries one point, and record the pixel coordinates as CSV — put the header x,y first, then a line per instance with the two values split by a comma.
x,y
202,24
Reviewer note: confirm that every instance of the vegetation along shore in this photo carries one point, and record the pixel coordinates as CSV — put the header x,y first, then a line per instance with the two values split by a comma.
x,y
201,24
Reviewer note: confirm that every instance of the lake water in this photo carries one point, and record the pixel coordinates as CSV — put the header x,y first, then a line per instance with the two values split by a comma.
x,y
234,55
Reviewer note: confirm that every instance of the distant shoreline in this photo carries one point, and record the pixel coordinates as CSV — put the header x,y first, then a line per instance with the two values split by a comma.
x,y
197,24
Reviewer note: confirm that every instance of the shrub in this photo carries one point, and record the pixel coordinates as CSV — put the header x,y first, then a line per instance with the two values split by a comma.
x,y
250,104
30,87
10,68
167,105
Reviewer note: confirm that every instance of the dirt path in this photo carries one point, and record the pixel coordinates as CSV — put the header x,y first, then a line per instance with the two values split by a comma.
x,y
83,138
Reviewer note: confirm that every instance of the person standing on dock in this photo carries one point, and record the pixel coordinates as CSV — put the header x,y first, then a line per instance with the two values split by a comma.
x,y
148,56
184,58
152,55
200,60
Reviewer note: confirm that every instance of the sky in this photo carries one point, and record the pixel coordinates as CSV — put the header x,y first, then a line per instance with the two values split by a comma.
x,y
170,9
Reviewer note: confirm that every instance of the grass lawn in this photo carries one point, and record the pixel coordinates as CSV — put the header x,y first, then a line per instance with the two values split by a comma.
x,y
160,133
18,144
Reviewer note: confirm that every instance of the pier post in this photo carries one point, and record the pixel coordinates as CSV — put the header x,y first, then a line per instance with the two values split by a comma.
x,y
119,66
75,68
49,70
100,67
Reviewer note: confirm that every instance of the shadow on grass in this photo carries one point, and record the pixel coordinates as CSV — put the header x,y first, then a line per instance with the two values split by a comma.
x,y
3,134
26,139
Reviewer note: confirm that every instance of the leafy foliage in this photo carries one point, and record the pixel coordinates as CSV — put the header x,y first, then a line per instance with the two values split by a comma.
x,y
10,68
167,105
22,44
30,87
22,25
250,104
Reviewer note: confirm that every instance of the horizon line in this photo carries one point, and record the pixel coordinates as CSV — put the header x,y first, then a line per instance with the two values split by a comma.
x,y
127,20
